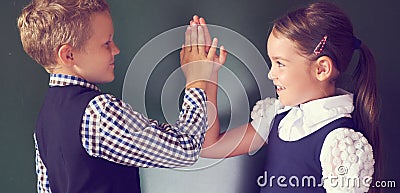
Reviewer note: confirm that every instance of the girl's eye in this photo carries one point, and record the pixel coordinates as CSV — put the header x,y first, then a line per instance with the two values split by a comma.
x,y
108,43
279,64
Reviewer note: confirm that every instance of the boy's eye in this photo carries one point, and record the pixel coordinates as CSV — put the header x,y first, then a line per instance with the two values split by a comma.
x,y
108,43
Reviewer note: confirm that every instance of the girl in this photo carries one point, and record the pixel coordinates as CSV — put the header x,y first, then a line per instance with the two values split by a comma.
x,y
316,132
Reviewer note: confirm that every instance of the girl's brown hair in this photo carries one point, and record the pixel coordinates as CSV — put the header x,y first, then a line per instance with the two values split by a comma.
x,y
45,25
306,27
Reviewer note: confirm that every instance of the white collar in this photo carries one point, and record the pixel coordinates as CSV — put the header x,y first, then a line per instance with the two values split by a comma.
x,y
307,118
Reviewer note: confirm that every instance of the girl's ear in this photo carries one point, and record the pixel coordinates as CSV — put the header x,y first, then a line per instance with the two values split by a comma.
x,y
325,70
65,55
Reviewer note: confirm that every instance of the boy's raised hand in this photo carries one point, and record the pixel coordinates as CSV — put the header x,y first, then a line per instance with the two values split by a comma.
x,y
198,54
196,63
200,21
220,59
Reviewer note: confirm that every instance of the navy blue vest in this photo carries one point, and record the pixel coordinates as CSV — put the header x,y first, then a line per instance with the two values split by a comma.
x,y
296,163
70,168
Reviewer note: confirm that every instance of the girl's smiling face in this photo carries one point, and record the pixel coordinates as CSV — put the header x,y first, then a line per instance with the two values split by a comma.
x,y
292,73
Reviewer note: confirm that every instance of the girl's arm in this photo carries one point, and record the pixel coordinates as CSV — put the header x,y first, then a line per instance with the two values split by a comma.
x,y
233,142
237,141
346,156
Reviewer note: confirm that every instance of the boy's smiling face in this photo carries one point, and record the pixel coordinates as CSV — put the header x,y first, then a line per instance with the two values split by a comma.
x,y
95,62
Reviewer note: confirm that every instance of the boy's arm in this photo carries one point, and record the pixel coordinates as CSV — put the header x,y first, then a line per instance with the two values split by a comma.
x,y
114,131
43,185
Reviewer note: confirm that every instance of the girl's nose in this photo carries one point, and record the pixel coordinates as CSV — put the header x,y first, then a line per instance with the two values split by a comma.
x,y
271,74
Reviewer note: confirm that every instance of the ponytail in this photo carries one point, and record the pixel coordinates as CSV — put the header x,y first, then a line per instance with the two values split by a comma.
x,y
366,113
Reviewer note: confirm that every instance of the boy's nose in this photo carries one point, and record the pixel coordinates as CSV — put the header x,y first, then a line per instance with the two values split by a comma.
x,y
115,49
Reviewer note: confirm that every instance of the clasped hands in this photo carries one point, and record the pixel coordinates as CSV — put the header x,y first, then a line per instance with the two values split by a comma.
x,y
198,57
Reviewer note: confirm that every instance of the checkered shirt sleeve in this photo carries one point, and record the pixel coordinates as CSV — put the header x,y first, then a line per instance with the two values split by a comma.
x,y
112,130
43,185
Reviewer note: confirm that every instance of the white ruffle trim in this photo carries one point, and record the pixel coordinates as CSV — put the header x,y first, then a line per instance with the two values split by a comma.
x,y
263,113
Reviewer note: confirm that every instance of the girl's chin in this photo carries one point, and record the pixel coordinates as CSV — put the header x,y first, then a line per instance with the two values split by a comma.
x,y
286,102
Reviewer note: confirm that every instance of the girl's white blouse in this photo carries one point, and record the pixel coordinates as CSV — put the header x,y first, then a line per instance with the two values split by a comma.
x,y
346,156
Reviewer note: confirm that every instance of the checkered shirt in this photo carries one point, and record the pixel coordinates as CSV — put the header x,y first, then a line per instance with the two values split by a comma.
x,y
112,130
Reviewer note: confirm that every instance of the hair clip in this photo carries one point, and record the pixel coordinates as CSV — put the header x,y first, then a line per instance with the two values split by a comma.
x,y
318,49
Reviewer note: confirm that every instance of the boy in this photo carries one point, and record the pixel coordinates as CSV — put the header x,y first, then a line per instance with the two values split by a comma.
x,y
88,141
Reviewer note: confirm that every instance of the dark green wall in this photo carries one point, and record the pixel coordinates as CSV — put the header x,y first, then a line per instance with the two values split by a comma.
x,y
23,82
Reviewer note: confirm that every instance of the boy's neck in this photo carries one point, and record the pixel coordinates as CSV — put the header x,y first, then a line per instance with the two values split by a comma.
x,y
61,70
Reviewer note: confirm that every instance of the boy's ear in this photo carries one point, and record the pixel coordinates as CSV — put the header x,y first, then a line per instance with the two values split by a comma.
x,y
65,55
325,69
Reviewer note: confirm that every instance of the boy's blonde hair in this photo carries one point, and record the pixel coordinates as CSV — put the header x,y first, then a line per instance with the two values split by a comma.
x,y
46,25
